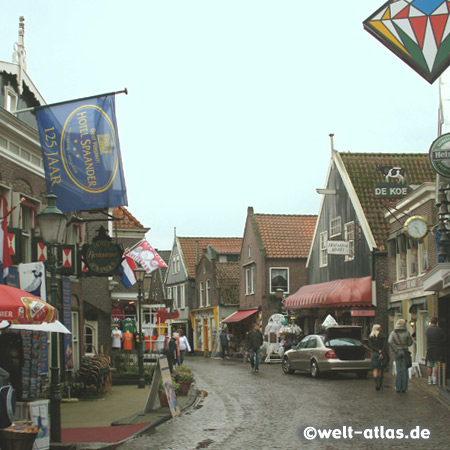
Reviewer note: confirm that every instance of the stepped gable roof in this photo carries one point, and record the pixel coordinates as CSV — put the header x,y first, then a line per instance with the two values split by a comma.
x,y
364,172
126,219
192,254
286,236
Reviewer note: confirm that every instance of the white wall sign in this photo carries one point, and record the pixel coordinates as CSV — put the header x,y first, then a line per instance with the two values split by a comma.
x,y
338,248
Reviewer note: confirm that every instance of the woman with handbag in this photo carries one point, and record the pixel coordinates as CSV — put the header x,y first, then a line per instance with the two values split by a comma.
x,y
400,340
380,355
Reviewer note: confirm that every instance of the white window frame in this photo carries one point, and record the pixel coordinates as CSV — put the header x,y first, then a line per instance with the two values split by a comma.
x,y
11,99
272,291
176,264
94,327
249,253
208,292
182,297
175,297
349,231
412,259
323,250
250,280
169,293
335,226
400,260
202,289
423,257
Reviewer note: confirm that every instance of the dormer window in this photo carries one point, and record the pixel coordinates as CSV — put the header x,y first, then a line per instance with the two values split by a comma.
x,y
249,251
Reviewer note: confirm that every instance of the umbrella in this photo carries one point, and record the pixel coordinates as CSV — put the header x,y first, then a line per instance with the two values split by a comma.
x,y
21,307
55,327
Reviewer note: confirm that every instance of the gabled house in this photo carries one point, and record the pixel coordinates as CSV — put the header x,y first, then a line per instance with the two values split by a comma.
x,y
217,295
272,265
347,262
181,273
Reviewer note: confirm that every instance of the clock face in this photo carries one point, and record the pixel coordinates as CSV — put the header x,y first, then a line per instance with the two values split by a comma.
x,y
416,227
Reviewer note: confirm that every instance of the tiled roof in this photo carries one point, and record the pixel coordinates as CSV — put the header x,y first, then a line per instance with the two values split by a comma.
x,y
286,236
192,254
364,175
126,219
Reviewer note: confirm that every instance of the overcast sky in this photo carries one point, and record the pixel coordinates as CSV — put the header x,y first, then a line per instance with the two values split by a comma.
x,y
231,102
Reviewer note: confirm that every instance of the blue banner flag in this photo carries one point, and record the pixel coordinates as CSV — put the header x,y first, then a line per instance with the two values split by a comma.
x,y
80,147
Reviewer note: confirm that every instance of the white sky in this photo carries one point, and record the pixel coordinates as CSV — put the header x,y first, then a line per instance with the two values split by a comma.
x,y
230,101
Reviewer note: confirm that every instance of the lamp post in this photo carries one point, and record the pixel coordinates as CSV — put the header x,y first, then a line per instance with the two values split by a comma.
x,y
139,273
52,224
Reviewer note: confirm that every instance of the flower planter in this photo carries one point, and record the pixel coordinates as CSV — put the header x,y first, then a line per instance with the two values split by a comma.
x,y
163,398
184,387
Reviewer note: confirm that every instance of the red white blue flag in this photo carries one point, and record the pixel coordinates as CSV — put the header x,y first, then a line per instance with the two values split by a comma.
x,y
81,151
127,270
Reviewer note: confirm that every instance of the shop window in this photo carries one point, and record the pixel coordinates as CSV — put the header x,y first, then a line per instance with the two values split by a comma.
x,y
335,226
279,279
349,229
323,249
27,220
250,280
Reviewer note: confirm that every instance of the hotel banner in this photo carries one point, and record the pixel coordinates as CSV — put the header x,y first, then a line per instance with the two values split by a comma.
x,y
80,147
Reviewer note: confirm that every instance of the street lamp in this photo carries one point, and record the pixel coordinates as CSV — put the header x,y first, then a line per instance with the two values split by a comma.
x,y
52,224
139,273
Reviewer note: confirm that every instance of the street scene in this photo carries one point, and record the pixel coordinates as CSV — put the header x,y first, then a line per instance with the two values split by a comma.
x,y
269,409
224,224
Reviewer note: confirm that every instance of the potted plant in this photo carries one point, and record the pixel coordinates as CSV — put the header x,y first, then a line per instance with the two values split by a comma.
x,y
184,376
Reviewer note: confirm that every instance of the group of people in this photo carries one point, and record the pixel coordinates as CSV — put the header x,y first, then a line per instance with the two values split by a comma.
x,y
400,340
176,347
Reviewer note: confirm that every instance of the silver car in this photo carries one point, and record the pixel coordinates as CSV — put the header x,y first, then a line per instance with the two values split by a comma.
x,y
338,349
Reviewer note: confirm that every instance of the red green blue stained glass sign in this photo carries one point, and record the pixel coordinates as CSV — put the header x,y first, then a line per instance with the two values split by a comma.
x,y
417,31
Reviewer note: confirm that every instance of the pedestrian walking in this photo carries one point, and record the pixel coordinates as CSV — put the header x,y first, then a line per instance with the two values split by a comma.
x,y
400,340
184,345
380,355
435,344
255,340
225,344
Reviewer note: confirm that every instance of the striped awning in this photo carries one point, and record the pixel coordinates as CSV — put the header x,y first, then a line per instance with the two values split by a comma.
x,y
338,293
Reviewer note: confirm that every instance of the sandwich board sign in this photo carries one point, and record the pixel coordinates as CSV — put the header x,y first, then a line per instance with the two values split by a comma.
x,y
162,372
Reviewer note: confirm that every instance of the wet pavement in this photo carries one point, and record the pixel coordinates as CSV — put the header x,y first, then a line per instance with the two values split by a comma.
x,y
272,410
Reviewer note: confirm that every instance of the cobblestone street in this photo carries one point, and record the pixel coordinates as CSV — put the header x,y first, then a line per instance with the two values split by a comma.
x,y
244,410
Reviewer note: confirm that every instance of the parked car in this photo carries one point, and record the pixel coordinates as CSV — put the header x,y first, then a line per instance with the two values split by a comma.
x,y
338,349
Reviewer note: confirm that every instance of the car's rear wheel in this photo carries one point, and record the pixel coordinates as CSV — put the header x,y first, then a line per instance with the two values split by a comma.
x,y
286,365
314,369
362,374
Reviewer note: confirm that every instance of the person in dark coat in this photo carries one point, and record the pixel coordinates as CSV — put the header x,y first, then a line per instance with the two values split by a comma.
x,y
224,344
255,340
435,344
380,355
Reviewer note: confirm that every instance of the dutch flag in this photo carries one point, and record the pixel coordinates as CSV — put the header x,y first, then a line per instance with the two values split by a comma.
x,y
127,269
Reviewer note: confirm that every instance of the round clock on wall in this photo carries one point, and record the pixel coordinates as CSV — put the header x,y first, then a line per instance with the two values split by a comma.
x,y
416,227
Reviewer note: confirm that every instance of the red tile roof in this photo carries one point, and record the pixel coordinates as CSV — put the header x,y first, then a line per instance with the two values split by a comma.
x,y
364,175
126,219
286,236
192,252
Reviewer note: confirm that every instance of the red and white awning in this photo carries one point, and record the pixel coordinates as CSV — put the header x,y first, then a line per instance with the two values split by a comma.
x,y
338,293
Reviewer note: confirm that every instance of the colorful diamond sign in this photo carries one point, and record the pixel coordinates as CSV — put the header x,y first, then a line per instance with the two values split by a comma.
x,y
417,31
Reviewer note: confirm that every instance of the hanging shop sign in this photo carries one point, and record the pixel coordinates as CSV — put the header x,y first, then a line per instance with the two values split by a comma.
x,y
416,31
103,256
440,155
394,182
